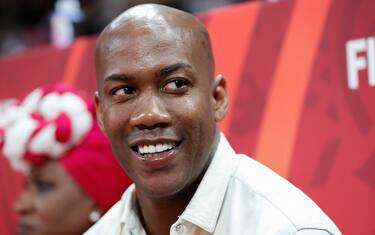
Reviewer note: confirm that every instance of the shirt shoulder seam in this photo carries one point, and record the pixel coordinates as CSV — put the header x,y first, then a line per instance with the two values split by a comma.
x,y
320,229
248,187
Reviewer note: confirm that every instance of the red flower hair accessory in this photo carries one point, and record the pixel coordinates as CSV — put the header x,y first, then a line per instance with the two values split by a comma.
x,y
46,124
58,123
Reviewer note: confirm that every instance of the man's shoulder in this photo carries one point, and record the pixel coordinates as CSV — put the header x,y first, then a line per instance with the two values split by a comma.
x,y
275,194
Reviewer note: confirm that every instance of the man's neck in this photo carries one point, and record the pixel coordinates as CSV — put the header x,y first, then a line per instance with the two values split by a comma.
x,y
158,214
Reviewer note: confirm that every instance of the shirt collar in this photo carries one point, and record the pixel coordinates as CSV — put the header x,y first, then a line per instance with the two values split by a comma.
x,y
204,208
130,215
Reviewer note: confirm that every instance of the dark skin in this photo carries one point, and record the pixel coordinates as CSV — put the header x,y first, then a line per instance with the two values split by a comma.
x,y
52,203
156,85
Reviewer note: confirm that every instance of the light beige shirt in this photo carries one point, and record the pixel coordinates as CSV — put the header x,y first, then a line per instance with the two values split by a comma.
x,y
237,196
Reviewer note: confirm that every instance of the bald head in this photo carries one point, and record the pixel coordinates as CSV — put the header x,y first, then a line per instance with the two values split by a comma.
x,y
155,76
154,25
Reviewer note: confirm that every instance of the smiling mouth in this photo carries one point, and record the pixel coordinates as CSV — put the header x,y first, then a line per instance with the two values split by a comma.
x,y
148,150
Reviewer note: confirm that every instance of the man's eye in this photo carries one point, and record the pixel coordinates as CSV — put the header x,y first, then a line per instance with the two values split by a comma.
x,y
175,85
127,90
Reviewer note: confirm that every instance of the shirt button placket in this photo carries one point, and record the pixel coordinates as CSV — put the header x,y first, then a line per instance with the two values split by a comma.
x,y
179,229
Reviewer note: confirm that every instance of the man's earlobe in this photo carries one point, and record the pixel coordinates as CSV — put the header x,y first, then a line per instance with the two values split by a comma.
x,y
220,97
99,112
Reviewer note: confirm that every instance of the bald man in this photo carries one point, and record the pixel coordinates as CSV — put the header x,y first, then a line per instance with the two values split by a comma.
x,y
159,102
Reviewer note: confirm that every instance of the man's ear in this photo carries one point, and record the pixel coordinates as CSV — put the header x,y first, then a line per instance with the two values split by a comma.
x,y
221,98
99,111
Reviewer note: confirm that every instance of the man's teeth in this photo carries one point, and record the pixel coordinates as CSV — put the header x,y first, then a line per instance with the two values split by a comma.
x,y
157,148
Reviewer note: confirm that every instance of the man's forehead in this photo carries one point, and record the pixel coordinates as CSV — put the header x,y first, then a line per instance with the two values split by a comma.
x,y
137,32
146,27
146,45
152,18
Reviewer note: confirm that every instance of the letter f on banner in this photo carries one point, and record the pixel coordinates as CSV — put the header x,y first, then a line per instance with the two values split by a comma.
x,y
356,62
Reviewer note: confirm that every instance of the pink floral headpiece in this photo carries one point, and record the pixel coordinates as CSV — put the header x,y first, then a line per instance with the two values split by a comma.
x,y
45,124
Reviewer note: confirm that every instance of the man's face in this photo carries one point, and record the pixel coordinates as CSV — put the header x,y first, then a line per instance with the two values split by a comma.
x,y
157,106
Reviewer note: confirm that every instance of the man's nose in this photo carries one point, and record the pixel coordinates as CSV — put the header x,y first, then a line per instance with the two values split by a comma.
x,y
150,113
24,204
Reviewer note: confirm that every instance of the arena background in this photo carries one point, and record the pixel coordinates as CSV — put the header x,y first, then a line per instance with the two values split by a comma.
x,y
301,80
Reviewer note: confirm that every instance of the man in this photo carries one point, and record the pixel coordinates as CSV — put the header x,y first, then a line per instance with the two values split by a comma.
x,y
158,102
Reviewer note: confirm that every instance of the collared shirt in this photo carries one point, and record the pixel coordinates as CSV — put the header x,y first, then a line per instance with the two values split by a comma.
x,y
236,196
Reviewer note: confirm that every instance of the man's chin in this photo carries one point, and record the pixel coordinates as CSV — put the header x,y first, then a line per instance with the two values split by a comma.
x,y
160,190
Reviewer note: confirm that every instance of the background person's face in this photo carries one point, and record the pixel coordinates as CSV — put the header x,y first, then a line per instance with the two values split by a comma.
x,y
156,89
52,203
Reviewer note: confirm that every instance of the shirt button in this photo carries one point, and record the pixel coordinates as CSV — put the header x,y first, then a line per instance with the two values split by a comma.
x,y
179,228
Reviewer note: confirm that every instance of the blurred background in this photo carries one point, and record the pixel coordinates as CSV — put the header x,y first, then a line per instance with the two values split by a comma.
x,y
28,23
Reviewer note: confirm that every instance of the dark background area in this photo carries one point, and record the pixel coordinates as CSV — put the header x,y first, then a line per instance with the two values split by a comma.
x,y
27,23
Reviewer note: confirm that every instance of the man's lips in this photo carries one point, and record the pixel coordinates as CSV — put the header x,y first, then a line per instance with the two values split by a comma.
x,y
155,153
154,145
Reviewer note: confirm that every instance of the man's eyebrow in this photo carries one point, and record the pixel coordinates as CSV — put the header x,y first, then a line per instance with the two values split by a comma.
x,y
119,78
172,68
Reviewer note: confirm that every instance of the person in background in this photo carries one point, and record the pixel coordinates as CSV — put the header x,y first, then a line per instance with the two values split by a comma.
x,y
71,176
